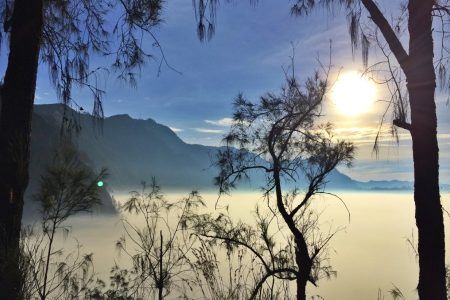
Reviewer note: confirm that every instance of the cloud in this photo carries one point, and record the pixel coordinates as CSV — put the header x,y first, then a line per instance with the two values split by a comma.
x,y
221,122
443,136
208,130
382,169
174,129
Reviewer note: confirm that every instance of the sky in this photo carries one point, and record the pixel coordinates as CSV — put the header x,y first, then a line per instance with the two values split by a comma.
x,y
251,47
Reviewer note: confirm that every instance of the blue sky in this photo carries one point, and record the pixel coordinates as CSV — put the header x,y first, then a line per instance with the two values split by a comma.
x,y
247,54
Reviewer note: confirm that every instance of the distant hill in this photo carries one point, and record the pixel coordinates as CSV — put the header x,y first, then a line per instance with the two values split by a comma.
x,y
387,185
136,150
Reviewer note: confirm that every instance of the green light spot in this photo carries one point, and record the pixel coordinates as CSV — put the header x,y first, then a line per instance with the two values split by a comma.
x,y
100,183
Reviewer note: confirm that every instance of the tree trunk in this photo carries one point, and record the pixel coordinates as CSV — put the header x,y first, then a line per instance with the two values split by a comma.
x,y
301,288
304,269
421,87
161,277
15,127
302,258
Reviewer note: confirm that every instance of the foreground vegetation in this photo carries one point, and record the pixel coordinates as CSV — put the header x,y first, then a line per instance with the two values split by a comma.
x,y
210,272
178,249
175,248
176,252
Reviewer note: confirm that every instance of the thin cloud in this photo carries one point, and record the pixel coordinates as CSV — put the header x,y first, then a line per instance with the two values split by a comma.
x,y
174,129
208,130
225,122
443,136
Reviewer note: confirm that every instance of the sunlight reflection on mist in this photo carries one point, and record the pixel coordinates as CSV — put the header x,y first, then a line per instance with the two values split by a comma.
x,y
370,254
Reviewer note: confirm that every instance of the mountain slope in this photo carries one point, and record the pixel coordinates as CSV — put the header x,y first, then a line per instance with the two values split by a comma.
x,y
45,133
137,150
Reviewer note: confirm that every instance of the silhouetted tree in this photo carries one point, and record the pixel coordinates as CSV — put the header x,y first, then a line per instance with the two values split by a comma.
x,y
417,65
119,288
158,248
67,188
279,137
61,34
229,275
168,260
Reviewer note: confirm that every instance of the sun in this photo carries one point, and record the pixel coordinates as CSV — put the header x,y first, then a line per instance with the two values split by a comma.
x,y
353,93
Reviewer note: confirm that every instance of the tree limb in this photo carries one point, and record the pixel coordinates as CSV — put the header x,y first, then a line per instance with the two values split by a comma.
x,y
402,124
266,276
388,33
227,239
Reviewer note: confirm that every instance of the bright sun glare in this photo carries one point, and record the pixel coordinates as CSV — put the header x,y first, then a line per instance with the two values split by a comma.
x,y
353,93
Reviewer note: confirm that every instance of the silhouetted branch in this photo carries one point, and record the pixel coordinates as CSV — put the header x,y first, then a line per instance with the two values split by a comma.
x,y
238,242
269,274
402,124
388,33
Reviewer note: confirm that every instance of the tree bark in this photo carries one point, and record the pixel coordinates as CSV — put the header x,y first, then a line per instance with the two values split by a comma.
x,y
15,128
301,288
304,269
421,87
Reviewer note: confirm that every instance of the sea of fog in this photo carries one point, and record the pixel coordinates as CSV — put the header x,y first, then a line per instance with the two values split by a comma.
x,y
371,254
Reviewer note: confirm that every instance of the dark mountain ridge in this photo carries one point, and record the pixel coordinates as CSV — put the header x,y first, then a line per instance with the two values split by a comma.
x,y
136,150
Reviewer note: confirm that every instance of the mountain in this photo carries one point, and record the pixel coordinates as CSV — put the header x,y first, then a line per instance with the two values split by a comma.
x,y
45,134
387,185
132,150
136,150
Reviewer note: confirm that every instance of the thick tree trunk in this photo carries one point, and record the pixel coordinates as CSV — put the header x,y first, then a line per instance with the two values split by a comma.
x,y
421,87
301,288
429,219
15,128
